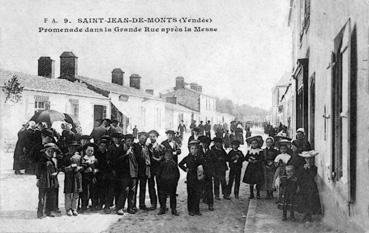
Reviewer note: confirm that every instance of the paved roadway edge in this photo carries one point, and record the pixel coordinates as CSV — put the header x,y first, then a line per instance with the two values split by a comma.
x,y
250,217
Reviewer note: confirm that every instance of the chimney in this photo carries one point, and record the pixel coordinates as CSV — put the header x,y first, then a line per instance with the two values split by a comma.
x,y
193,86
180,84
150,91
199,88
68,66
117,76
171,99
134,81
46,67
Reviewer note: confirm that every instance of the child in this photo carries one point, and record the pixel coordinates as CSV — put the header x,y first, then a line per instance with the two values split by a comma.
x,y
72,183
189,164
289,190
235,160
310,202
47,181
168,176
281,162
254,172
269,154
88,179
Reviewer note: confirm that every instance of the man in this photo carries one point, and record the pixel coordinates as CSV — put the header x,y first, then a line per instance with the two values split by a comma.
x,y
207,129
113,127
172,145
112,189
192,126
220,168
194,137
102,171
135,132
209,171
155,159
47,181
141,153
201,128
127,172
181,128
99,131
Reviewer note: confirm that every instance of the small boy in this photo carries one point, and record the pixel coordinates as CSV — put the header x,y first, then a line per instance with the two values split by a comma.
x,y
289,190
190,164
235,160
72,183
168,176
89,162
281,162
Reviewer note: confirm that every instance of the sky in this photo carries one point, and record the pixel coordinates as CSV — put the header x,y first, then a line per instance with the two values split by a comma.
x,y
241,61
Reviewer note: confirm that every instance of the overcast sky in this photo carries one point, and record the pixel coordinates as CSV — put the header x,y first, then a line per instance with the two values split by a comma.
x,y
242,61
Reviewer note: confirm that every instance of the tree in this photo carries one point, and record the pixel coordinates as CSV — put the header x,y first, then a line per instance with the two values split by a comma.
x,y
13,90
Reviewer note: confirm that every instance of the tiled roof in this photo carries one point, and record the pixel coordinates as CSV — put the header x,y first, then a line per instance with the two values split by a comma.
x,y
115,88
178,107
38,83
171,92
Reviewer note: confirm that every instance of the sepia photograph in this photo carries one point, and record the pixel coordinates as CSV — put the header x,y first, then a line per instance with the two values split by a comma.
x,y
184,116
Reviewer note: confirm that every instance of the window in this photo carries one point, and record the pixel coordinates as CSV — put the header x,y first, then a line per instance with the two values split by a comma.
x,y
41,103
99,112
301,76
305,6
74,104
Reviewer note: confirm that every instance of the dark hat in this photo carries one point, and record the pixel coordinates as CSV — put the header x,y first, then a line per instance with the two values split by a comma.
x,y
194,142
235,142
217,140
257,138
196,129
154,132
128,136
205,139
104,141
142,133
47,132
87,137
50,146
107,120
114,121
170,132
74,143
90,145
116,135
105,137
278,138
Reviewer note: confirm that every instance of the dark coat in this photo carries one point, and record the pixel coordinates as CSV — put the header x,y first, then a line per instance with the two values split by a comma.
x,y
309,195
297,161
122,165
73,176
235,159
154,152
269,154
254,173
220,161
176,149
142,157
191,163
209,163
289,194
168,176
88,169
19,151
45,167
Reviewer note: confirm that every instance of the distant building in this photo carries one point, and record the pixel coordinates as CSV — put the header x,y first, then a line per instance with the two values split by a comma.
x,y
192,97
277,93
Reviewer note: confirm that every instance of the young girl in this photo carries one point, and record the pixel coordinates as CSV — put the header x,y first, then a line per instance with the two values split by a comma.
x,y
254,172
281,162
309,194
269,154
190,164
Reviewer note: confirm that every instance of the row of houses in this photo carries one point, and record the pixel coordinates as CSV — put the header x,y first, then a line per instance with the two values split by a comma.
x,y
326,93
89,100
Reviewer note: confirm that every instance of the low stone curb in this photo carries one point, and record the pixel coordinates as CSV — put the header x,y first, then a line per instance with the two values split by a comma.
x,y
250,217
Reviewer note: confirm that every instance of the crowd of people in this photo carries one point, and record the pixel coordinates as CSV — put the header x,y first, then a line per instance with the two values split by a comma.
x,y
106,169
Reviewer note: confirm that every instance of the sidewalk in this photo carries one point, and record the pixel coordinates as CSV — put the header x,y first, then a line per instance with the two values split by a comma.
x,y
264,216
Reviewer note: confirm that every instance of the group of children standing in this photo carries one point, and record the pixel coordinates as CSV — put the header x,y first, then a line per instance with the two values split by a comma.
x,y
288,169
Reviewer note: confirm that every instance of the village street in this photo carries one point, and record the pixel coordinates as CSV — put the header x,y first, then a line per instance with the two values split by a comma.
x,y
18,203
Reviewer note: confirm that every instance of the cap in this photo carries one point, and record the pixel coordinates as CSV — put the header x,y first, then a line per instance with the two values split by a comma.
x,y
154,132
